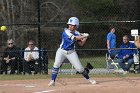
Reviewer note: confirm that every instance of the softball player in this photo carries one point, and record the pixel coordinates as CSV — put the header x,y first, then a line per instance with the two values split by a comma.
x,y
70,37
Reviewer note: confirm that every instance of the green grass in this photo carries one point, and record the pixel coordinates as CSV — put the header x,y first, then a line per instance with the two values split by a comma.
x,y
23,77
97,62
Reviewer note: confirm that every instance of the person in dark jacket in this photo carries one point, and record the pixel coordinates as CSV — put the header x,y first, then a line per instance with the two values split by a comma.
x,y
126,55
10,57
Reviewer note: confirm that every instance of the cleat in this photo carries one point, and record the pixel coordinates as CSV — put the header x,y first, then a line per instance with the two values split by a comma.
x,y
92,81
52,83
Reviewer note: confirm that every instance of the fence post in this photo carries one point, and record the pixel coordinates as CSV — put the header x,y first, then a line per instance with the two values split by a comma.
x,y
138,18
39,33
45,61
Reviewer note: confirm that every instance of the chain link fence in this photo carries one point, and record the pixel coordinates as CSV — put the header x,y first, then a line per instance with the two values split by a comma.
x,y
44,20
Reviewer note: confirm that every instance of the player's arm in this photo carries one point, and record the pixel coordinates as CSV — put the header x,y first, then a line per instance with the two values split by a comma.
x,y
82,36
73,37
81,39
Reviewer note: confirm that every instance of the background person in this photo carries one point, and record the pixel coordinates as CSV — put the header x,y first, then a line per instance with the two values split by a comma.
x,y
31,56
126,55
111,42
10,57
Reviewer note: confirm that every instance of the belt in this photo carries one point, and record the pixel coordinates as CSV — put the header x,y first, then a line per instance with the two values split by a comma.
x,y
67,50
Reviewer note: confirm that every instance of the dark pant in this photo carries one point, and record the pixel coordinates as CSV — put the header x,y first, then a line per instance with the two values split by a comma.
x,y
124,66
31,66
19,66
12,64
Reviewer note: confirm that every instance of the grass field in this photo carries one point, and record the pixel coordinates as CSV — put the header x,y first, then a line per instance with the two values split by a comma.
x,y
97,62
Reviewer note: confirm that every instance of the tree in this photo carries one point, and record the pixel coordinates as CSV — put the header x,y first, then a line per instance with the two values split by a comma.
x,y
97,9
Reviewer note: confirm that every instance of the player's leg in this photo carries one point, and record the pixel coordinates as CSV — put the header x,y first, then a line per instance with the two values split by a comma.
x,y
74,60
59,58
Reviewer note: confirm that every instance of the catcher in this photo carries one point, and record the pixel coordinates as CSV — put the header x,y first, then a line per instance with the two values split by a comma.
x,y
70,37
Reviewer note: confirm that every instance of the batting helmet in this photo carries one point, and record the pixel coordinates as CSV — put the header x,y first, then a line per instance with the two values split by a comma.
x,y
73,21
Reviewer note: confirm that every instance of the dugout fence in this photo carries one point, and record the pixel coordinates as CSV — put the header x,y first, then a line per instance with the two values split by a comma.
x,y
97,57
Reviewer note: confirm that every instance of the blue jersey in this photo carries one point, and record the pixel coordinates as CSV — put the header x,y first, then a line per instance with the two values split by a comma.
x,y
68,43
124,52
111,37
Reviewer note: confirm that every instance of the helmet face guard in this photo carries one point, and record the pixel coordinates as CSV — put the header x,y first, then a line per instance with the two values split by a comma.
x,y
73,21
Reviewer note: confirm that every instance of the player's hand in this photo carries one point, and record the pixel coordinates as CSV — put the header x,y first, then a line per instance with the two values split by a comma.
x,y
83,39
85,35
79,37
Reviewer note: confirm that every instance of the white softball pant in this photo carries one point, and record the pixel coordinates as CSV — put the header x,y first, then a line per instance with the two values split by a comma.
x,y
71,55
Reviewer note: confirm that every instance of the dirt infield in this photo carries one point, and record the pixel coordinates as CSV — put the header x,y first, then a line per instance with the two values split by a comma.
x,y
72,85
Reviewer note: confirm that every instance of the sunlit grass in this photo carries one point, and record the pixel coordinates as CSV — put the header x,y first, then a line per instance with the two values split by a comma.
x,y
97,62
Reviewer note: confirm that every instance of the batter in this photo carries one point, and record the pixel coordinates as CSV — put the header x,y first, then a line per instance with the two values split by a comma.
x,y
70,37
